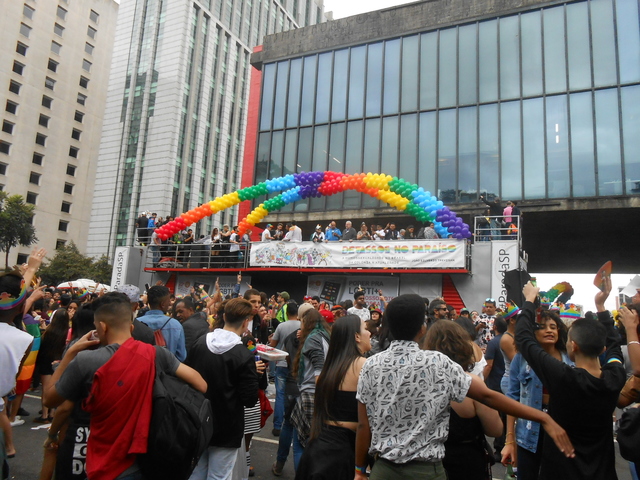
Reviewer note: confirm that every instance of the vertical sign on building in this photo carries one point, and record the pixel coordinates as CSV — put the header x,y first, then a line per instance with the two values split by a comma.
x,y
120,264
504,257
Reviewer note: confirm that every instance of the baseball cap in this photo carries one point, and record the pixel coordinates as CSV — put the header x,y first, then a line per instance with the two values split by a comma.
x,y
285,295
328,316
131,291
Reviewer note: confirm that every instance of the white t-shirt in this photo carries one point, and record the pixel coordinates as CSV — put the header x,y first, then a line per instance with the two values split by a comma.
x,y
266,235
13,346
363,313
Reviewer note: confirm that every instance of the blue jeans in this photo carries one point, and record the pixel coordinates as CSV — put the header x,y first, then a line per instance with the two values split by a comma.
x,y
281,381
155,250
495,229
287,435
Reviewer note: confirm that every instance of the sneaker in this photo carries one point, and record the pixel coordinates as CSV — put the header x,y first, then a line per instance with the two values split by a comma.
x,y
22,412
252,471
277,468
41,420
275,432
17,422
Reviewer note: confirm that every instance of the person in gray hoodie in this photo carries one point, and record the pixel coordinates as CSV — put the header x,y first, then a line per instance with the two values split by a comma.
x,y
232,379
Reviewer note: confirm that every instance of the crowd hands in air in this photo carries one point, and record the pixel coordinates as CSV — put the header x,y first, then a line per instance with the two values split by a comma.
x,y
406,388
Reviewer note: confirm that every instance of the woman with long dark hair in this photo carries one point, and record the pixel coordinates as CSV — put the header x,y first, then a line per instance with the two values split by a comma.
x,y
466,452
331,448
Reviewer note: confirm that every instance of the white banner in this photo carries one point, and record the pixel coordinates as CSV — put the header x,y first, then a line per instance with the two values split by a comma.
x,y
120,264
336,289
504,257
227,283
446,253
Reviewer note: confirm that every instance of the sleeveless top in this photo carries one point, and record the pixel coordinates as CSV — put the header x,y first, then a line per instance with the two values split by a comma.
x,y
344,407
507,362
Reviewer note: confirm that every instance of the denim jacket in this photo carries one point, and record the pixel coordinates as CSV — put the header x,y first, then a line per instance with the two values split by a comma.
x,y
525,387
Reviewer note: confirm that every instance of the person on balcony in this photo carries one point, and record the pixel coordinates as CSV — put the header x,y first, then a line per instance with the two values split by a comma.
x,y
364,234
349,233
318,236
332,233
496,211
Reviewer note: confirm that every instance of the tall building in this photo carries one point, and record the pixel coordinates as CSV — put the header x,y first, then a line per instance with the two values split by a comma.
x,y
53,83
175,120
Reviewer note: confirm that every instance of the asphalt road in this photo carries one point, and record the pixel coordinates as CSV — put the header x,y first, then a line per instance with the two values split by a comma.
x,y
29,438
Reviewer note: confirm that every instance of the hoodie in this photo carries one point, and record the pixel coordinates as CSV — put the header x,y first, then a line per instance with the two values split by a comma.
x,y
232,383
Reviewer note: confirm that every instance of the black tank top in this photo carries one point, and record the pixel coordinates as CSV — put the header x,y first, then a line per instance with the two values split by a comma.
x,y
344,407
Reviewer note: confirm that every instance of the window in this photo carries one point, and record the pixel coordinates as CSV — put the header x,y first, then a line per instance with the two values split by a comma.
x,y
21,48
37,158
5,147
62,225
66,207
12,107
93,16
14,87
60,244
7,127
84,82
18,67
86,65
61,13
56,47
68,188
47,101
43,121
88,48
78,116
82,99
3,168
75,134
25,30
92,32
71,170
31,198
34,178
22,258
49,83
58,29
73,152
41,139
27,11
52,65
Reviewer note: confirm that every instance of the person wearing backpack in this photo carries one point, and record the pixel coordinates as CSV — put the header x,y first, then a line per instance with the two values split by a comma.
x,y
170,329
231,373
118,398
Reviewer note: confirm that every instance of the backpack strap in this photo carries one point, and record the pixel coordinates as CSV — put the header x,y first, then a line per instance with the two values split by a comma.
x,y
165,323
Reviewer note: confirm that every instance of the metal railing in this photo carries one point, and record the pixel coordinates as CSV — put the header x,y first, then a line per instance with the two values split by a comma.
x,y
198,256
486,229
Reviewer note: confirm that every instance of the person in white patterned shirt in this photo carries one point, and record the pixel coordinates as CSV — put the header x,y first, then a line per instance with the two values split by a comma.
x,y
404,395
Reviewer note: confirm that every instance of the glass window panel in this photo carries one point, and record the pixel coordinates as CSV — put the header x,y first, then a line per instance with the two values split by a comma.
x,y
262,157
323,89
371,161
308,90
488,61
319,163
448,67
558,175
268,85
410,73
428,70
340,69
304,150
389,151
447,164
630,129
533,143
509,58
531,38
295,84
356,82
628,40
608,143
427,164
489,151
374,79
467,65
391,76
279,107
555,65
353,160
408,147
336,161
289,163
578,45
583,165
468,154
510,154
277,148
604,44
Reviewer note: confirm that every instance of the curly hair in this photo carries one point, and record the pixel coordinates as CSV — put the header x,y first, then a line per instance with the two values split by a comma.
x,y
452,340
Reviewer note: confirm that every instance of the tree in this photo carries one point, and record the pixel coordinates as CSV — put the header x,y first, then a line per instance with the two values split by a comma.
x,y
15,224
69,264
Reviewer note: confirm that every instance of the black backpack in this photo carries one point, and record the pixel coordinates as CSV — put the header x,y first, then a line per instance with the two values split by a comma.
x,y
180,430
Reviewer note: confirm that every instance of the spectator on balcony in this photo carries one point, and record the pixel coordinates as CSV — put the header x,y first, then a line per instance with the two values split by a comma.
x,y
234,248
151,223
515,213
266,233
349,233
278,234
318,236
332,233
390,233
141,229
410,233
484,227
363,234
428,232
495,210
294,234
506,213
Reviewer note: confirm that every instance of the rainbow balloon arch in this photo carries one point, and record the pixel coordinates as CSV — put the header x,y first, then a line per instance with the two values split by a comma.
x,y
396,192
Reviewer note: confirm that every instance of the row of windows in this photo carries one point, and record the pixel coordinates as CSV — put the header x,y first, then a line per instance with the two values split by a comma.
x,y
32,199
36,159
12,107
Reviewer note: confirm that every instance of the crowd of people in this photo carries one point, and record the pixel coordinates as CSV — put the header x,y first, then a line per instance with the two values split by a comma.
x,y
406,388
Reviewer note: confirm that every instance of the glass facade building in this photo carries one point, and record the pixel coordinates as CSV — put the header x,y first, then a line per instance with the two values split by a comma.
x,y
540,104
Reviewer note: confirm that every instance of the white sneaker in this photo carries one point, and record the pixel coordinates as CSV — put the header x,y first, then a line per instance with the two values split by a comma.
x,y
17,422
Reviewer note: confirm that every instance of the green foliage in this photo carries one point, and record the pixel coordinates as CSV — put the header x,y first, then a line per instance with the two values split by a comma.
x,y
15,223
68,264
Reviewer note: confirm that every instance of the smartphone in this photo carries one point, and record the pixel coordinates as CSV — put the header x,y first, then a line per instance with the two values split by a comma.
x,y
147,287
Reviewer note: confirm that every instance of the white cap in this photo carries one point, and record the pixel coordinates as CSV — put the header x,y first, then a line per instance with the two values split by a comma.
x,y
631,289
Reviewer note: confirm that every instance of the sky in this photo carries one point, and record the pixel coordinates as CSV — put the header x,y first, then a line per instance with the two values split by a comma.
x,y
346,8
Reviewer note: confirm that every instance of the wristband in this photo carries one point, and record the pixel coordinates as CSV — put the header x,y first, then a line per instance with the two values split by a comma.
x,y
53,437
203,296
633,342
362,470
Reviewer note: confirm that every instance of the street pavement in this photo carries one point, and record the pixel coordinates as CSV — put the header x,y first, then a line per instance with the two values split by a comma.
x,y
29,438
